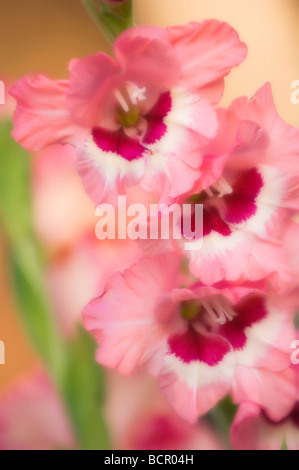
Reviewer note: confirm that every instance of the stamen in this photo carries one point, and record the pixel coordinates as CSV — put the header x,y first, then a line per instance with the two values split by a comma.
x,y
121,100
211,312
129,114
221,188
136,94
210,192
219,309
226,187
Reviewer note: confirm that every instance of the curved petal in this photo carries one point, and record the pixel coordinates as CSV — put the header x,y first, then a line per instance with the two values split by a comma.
x,y
124,319
194,388
109,163
207,52
189,122
245,433
261,333
241,205
146,31
179,125
163,175
274,391
253,430
90,96
239,256
147,61
283,139
32,416
41,117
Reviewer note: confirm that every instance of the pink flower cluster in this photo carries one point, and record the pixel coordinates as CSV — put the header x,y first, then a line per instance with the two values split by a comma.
x,y
222,322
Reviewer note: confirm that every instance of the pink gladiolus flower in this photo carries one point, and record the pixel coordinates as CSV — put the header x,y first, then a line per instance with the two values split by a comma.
x,y
141,117
254,161
202,342
32,416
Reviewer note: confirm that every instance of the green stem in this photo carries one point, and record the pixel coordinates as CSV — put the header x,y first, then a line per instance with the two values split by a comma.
x,y
284,445
112,18
27,281
222,416
70,363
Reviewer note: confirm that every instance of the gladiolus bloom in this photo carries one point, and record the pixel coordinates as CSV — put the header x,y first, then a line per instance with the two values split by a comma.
x,y
141,117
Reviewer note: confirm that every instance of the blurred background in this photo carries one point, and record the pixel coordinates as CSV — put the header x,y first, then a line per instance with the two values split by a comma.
x,y
42,36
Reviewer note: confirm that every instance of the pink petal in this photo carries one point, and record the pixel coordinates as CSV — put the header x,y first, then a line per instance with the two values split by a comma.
x,y
262,332
156,127
283,139
117,142
90,96
190,122
194,388
250,310
146,61
207,52
124,319
176,141
32,416
245,431
163,175
241,204
253,430
239,257
274,391
41,117
193,346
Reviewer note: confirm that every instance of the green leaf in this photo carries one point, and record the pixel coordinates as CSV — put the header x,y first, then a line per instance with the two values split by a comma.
x,y
27,280
24,253
14,186
71,364
112,18
284,445
84,385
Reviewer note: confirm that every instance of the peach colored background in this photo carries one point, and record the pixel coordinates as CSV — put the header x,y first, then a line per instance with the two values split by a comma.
x,y
43,35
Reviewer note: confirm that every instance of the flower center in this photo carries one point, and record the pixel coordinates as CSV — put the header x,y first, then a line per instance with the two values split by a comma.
x,y
215,309
128,112
190,309
219,189
219,309
129,118
216,190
